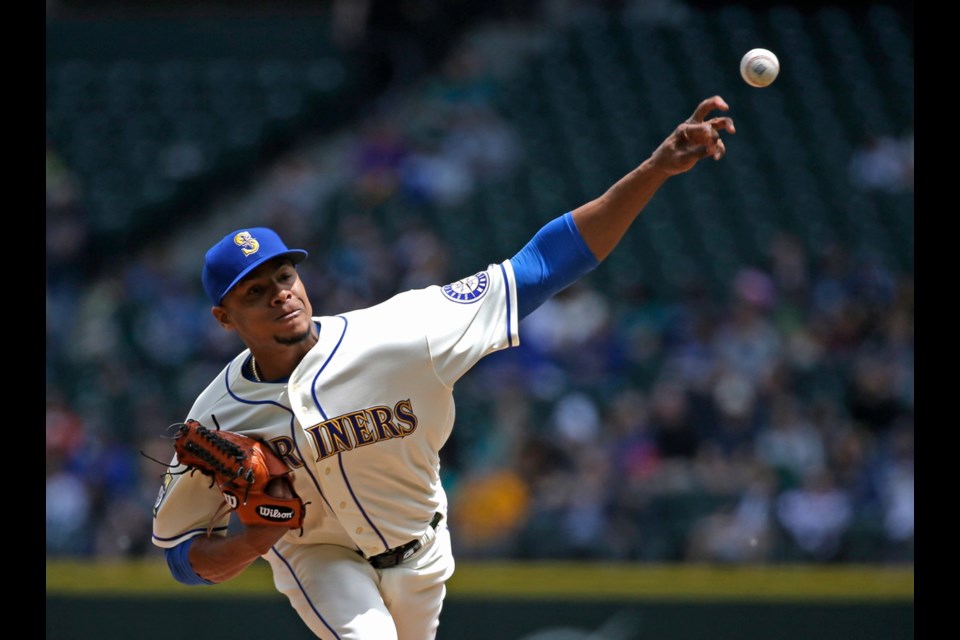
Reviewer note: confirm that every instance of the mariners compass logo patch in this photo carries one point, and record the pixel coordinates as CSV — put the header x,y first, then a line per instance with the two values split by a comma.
x,y
469,289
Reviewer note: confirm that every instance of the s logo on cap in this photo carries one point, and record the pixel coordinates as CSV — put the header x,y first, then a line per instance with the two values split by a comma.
x,y
224,266
247,243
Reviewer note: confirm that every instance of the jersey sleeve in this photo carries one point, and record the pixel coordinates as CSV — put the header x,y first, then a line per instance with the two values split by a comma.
x,y
185,507
470,318
188,500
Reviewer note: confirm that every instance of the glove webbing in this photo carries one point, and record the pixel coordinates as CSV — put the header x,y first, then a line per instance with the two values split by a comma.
x,y
224,445
229,448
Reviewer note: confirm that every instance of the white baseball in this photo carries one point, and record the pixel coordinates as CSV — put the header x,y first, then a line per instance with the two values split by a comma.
x,y
759,67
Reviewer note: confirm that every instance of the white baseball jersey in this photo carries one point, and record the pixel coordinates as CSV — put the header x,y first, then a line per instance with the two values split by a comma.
x,y
360,421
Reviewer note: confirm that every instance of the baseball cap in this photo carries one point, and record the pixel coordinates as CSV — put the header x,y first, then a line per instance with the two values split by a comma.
x,y
239,253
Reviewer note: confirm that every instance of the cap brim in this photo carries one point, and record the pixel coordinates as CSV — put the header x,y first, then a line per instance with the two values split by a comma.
x,y
296,256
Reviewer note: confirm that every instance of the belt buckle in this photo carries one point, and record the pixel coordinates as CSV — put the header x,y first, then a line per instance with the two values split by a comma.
x,y
402,557
400,554
395,556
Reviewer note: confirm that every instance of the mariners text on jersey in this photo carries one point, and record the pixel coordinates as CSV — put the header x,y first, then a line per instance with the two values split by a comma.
x,y
352,430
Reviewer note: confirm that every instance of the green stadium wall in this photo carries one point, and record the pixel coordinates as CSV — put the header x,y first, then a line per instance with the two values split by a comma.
x,y
508,601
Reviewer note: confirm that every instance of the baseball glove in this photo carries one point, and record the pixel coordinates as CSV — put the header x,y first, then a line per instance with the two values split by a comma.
x,y
254,481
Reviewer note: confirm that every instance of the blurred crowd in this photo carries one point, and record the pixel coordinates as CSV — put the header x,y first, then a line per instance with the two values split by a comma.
x,y
884,162
775,426
772,421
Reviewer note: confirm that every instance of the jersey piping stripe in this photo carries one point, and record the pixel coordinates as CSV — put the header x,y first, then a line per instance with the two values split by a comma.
x,y
343,472
336,347
304,592
323,414
189,534
226,384
306,467
506,291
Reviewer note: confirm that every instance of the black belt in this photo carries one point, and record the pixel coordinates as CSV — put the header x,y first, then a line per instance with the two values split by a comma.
x,y
395,556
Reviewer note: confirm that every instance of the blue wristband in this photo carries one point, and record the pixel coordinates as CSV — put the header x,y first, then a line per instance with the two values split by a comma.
x,y
178,559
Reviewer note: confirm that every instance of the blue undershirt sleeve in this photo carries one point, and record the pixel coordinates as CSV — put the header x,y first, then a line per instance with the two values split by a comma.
x,y
178,559
556,257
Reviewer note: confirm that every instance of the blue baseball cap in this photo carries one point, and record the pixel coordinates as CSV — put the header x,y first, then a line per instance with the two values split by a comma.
x,y
239,253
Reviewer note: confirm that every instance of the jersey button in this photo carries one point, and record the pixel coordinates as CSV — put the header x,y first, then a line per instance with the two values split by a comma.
x,y
343,504
326,471
359,529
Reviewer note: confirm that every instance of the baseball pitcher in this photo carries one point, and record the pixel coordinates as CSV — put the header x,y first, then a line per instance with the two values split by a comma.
x,y
324,434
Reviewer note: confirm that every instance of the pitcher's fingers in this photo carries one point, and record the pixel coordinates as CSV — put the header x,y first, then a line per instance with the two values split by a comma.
x,y
720,150
708,105
699,133
722,122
